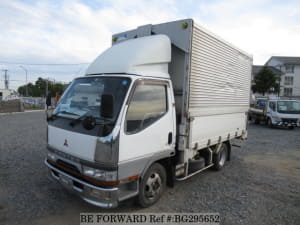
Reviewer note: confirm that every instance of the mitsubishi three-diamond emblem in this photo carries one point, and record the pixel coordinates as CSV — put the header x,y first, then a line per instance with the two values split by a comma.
x,y
66,143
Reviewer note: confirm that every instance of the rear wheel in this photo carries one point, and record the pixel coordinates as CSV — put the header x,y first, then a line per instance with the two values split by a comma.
x,y
220,158
256,121
152,185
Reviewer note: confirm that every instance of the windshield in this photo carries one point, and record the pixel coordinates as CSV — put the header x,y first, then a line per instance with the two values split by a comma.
x,y
261,103
83,97
292,107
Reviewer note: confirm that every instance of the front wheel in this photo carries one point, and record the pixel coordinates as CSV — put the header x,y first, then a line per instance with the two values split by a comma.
x,y
152,185
269,123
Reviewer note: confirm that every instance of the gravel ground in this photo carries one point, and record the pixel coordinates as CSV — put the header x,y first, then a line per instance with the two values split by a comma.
x,y
260,185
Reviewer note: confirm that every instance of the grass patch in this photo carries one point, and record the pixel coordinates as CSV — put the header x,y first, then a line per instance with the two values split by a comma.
x,y
33,108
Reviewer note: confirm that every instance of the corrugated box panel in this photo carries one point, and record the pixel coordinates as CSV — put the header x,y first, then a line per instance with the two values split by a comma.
x,y
220,76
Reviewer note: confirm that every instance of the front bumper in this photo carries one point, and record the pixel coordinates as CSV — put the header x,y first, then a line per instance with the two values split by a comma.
x,y
98,196
286,124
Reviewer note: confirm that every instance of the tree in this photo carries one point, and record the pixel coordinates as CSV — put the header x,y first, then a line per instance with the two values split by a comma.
x,y
39,88
266,80
57,87
22,90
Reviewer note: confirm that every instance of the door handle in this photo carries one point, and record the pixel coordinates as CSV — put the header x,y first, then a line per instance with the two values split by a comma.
x,y
170,138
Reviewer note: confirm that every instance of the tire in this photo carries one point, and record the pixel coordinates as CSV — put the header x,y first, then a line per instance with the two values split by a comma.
x,y
291,128
269,123
152,185
220,158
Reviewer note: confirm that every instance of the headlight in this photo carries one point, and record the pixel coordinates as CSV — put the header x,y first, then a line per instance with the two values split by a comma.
x,y
100,174
276,119
51,156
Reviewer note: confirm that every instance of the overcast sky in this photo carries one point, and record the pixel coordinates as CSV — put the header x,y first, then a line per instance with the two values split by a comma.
x,y
75,32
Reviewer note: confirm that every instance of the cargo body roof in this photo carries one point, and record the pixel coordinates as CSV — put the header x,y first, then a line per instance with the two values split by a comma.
x,y
148,56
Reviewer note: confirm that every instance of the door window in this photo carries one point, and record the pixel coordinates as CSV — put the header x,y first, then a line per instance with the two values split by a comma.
x,y
272,106
148,104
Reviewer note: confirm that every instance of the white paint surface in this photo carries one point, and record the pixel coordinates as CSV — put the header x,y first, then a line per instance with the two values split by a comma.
x,y
80,145
147,56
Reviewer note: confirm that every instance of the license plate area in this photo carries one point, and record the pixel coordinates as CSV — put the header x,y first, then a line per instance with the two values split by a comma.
x,y
66,181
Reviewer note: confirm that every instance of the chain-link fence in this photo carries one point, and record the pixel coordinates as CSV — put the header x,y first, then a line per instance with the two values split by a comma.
x,y
33,102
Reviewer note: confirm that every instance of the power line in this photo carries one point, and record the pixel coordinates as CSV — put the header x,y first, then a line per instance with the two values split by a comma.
x,y
43,64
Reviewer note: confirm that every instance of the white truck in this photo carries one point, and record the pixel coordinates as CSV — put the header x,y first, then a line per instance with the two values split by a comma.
x,y
276,112
160,105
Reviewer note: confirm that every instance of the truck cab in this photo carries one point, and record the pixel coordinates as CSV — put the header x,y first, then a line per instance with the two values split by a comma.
x,y
276,112
284,113
109,128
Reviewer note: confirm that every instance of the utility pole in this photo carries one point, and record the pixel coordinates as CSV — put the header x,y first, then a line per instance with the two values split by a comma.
x,y
47,80
26,79
6,79
52,81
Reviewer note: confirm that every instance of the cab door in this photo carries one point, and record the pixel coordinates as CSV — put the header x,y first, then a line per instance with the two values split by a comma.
x,y
148,125
271,108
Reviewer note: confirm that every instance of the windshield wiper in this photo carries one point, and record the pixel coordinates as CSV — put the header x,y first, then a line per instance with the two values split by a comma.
x,y
106,120
54,116
77,120
89,122
66,112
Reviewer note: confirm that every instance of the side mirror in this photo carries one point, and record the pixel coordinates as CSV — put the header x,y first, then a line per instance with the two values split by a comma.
x,y
107,106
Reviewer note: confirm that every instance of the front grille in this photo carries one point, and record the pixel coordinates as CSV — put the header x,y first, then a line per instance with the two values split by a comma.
x,y
68,166
72,170
288,120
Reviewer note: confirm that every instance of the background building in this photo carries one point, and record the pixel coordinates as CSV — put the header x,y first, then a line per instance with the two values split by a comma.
x,y
6,93
290,78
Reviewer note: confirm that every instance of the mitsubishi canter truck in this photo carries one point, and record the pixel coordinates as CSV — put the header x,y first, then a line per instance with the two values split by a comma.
x,y
161,105
276,112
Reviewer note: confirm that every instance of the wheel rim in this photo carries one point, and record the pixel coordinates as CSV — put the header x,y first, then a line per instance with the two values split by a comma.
x,y
223,157
153,186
